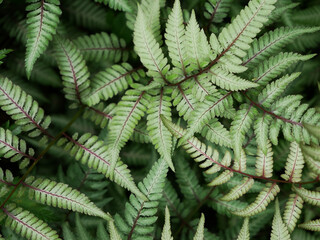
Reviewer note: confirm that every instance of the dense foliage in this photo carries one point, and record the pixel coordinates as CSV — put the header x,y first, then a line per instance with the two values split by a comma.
x,y
154,119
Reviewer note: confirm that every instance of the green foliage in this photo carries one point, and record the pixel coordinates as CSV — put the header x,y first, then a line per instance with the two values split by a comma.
x,y
161,117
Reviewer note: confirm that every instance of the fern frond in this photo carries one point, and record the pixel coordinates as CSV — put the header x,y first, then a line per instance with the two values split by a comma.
x,y
149,50
93,152
279,229
215,132
313,129
217,10
272,42
73,69
244,233
122,5
23,109
294,164
184,101
213,106
114,234
110,82
240,126
239,190
313,225
292,211
140,215
14,148
311,197
102,46
3,53
198,47
27,225
264,162
274,66
61,195
229,81
200,229
309,16
175,38
261,202
100,114
166,231
236,37
223,177
42,21
129,111
261,130
282,9
159,134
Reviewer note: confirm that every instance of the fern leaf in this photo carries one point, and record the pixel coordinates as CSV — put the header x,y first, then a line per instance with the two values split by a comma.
x,y
159,134
236,37
294,164
205,155
102,46
200,229
100,114
215,132
224,177
3,53
279,229
292,211
175,37
73,69
311,197
240,126
314,130
229,81
93,152
129,111
184,101
217,10
261,202
14,148
196,43
213,106
261,130
272,42
114,234
42,20
264,162
27,225
274,66
122,5
140,216
149,50
239,190
313,225
244,233
110,82
22,109
61,195
166,232
273,90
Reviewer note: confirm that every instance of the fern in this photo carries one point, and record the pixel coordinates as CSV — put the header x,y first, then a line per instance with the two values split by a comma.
x,y
102,46
228,87
279,229
122,5
23,109
42,20
73,70
141,216
26,224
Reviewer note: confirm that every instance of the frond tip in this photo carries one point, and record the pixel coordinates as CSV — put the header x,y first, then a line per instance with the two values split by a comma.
x,y
62,196
261,202
42,20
